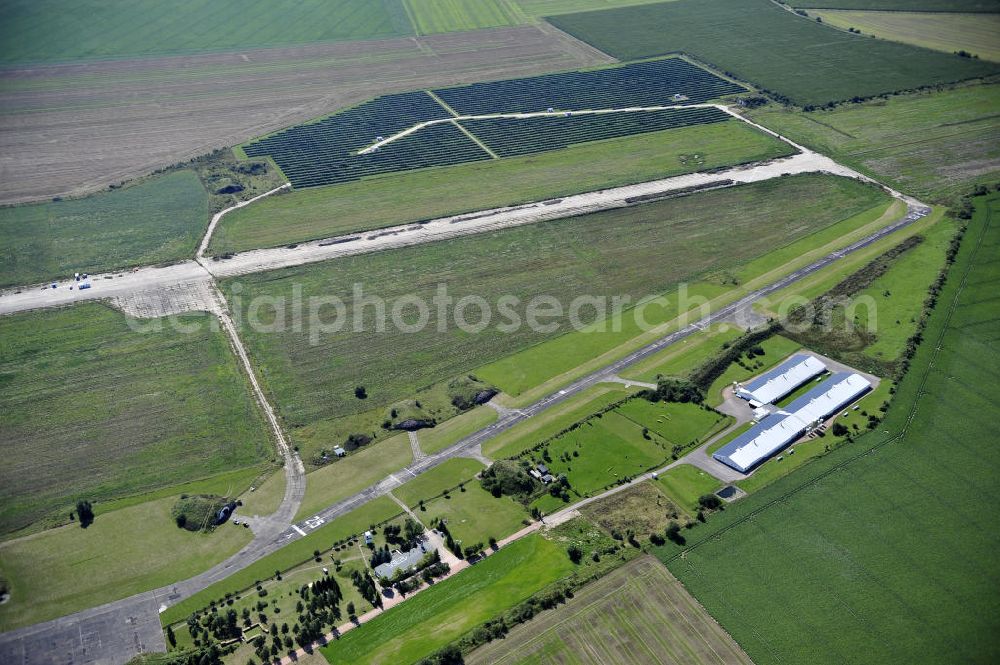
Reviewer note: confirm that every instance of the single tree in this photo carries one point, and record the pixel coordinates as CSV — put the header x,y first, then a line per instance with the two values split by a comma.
x,y
85,512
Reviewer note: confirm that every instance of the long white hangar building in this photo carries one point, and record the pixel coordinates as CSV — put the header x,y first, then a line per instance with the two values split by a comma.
x,y
779,429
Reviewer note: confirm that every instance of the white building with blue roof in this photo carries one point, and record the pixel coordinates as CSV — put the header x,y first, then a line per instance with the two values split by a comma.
x,y
772,385
778,430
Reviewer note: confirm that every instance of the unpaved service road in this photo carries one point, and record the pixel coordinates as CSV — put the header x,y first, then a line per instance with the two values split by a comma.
x,y
73,128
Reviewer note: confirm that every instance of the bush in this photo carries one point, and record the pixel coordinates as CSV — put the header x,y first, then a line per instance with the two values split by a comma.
x,y
199,512
507,478
710,502
673,533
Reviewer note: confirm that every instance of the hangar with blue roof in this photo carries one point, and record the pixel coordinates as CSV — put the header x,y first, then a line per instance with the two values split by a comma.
x,y
771,386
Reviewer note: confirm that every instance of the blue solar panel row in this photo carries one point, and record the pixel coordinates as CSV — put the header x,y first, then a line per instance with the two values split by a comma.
x,y
651,83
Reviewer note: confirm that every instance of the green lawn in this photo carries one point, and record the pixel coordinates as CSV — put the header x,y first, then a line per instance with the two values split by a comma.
x,y
158,220
475,515
755,40
895,519
598,454
679,424
443,477
550,422
685,484
349,475
823,280
455,429
435,617
55,30
64,570
872,330
266,496
96,410
312,375
897,298
681,359
290,556
430,193
931,144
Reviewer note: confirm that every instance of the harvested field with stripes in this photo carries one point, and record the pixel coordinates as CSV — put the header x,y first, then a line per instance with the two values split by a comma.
x,y
74,128
638,614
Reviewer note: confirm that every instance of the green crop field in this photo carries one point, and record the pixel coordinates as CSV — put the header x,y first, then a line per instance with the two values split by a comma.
x,y
638,614
313,374
685,484
435,617
57,30
883,546
290,556
756,40
158,220
69,569
973,33
400,198
344,477
430,16
934,144
94,410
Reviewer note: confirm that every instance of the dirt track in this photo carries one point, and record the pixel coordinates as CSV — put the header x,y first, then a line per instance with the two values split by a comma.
x,y
74,128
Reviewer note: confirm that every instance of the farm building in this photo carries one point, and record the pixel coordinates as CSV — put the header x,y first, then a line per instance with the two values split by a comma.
x,y
760,442
776,431
771,386
828,397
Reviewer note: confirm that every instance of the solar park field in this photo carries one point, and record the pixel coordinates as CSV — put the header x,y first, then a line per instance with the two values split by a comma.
x,y
325,152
